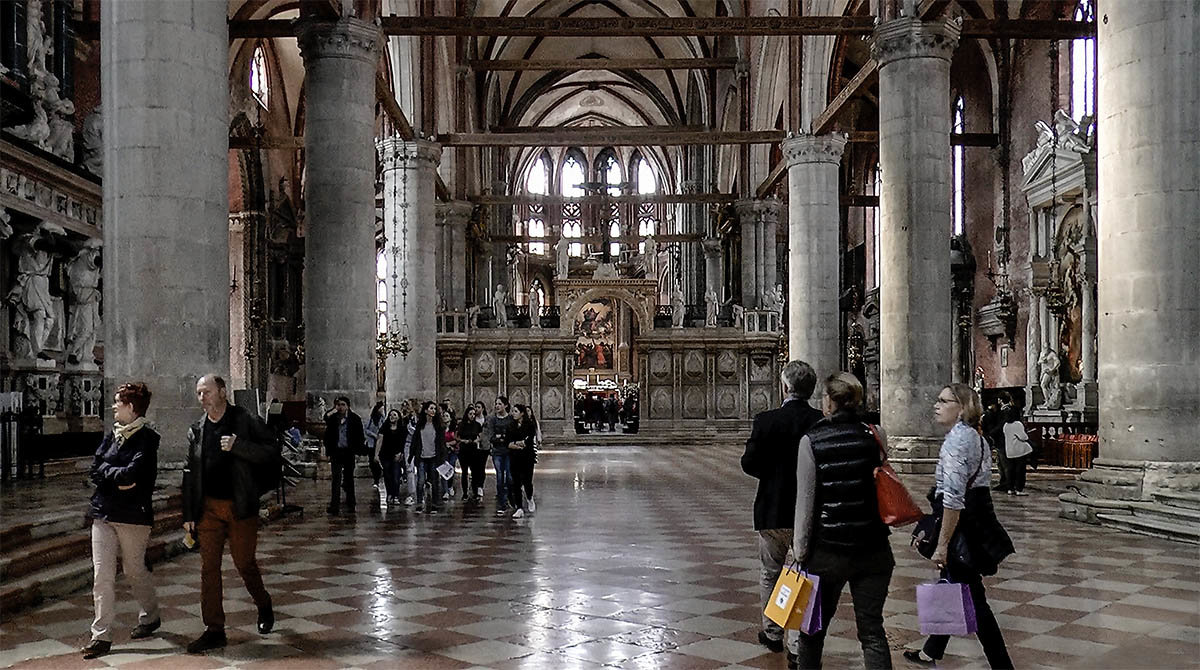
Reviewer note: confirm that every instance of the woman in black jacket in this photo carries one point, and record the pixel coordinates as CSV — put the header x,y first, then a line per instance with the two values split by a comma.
x,y
427,452
392,434
123,469
469,454
522,454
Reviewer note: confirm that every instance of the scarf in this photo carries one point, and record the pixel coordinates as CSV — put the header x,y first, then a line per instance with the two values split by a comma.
x,y
124,431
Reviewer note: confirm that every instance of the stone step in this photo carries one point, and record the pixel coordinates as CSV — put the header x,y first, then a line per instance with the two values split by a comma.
x,y
1156,510
58,468
18,533
1179,532
1179,499
63,579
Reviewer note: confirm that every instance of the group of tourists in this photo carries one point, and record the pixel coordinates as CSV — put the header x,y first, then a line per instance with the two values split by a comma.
x,y
233,458
817,510
417,448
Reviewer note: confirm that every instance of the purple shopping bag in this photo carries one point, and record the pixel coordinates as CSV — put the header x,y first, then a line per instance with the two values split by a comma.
x,y
811,623
945,609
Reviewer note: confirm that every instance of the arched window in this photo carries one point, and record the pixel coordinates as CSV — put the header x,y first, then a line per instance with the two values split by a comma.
x,y
537,183
957,160
646,184
381,296
259,86
1083,66
573,176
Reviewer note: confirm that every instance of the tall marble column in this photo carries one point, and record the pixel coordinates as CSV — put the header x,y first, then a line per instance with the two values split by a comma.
x,y
1149,314
759,220
409,211
914,156
453,217
340,58
813,256
165,84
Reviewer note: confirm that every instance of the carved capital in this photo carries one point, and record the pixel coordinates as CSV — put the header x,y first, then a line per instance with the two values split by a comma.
x,y
399,154
756,210
711,246
805,148
345,38
912,38
454,213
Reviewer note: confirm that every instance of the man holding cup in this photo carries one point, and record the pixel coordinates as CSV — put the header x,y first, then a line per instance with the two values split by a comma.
x,y
220,501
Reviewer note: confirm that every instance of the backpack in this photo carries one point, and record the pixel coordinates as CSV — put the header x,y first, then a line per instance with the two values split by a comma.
x,y
268,475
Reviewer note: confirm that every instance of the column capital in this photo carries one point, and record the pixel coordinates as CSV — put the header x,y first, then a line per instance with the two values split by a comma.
x,y
756,209
806,148
344,38
454,213
711,246
910,37
397,153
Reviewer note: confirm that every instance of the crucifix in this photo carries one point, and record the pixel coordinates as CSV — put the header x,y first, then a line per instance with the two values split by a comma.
x,y
600,218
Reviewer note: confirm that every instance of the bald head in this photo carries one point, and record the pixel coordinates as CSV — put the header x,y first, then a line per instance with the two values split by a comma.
x,y
210,392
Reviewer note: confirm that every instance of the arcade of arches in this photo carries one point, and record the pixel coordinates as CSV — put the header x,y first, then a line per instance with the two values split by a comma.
x,y
661,200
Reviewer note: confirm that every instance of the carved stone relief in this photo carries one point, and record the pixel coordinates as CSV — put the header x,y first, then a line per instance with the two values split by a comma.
x,y
693,364
552,365
660,364
518,365
660,403
727,364
727,402
552,404
693,403
487,365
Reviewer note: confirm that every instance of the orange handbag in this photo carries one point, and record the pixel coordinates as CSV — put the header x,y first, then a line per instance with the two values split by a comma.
x,y
896,506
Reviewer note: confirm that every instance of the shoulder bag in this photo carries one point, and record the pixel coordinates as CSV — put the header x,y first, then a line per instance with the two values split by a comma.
x,y
896,505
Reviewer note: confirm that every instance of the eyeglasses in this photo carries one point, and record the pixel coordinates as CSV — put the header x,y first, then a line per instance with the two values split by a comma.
x,y
945,401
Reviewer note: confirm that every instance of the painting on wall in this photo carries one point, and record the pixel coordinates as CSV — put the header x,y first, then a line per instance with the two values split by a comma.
x,y
595,331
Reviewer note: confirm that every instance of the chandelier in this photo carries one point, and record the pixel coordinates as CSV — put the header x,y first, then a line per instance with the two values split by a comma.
x,y
395,339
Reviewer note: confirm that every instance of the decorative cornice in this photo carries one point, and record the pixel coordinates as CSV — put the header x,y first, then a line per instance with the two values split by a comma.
x,y
396,153
758,209
909,37
806,148
345,38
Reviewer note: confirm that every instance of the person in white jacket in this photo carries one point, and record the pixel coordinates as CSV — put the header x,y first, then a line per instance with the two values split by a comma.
x,y
1017,449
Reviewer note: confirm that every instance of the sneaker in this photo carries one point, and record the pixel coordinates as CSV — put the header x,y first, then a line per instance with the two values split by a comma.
x,y
420,508
375,486
520,513
446,495
96,649
1012,493
532,506
145,629
466,496
918,656
1020,493
501,511
774,645
479,493
408,501
433,510
208,640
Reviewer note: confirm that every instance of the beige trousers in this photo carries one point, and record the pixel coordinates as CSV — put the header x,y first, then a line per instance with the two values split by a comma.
x,y
130,540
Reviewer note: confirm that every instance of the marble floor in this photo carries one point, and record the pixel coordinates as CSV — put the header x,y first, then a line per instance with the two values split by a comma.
x,y
637,558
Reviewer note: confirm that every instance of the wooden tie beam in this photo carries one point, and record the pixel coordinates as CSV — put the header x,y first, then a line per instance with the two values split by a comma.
x,y
606,64
655,198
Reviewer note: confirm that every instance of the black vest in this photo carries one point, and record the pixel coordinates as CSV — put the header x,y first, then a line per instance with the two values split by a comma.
x,y
846,512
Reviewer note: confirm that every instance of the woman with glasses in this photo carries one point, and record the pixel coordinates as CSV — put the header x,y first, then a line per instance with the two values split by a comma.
x,y
962,493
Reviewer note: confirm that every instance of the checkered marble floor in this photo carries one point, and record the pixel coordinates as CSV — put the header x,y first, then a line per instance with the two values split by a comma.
x,y
637,558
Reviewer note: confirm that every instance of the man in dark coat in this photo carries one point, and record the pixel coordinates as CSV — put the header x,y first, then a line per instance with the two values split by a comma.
x,y
220,501
771,458
344,437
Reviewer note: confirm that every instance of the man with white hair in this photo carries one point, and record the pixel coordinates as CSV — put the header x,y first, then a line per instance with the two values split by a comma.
x,y
771,458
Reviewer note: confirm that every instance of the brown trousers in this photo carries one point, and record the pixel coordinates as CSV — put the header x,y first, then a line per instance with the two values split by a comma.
x,y
217,524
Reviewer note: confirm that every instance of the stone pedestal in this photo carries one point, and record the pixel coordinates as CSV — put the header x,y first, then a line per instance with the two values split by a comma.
x,y
713,277
759,221
339,244
1149,315
165,85
409,212
914,204
813,254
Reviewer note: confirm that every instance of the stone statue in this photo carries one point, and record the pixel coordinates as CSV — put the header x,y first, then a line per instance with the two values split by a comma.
x,y
1051,390
499,303
83,280
92,138
711,306
677,306
37,131
563,257
650,261
61,141
6,230
776,300
30,294
535,309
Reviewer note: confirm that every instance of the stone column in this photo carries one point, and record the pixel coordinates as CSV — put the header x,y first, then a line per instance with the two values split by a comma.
x,y
409,211
340,58
713,279
1149,314
813,256
759,220
914,155
455,216
165,84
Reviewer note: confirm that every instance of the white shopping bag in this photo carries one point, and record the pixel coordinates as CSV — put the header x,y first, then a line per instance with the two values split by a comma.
x,y
446,471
